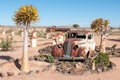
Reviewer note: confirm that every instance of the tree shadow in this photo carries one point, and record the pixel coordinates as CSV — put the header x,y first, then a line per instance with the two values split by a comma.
x,y
116,40
17,64
6,57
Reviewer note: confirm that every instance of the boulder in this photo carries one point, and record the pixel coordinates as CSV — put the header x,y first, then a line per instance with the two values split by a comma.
x,y
37,71
1,74
10,73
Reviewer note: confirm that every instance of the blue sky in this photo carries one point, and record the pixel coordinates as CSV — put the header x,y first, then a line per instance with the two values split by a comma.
x,y
64,12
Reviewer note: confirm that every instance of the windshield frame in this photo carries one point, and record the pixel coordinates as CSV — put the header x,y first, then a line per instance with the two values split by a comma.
x,y
76,35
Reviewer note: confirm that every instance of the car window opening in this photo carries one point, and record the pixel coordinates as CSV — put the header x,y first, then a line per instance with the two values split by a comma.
x,y
76,35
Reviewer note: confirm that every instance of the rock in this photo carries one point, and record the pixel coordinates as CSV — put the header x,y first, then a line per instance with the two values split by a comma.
x,y
10,73
118,50
108,48
47,68
35,57
39,59
104,69
59,69
97,48
53,68
22,73
31,71
37,71
46,50
1,74
76,71
111,65
99,70
79,67
64,72
117,54
69,67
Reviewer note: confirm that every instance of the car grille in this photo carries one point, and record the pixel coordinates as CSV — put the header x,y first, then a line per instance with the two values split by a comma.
x,y
67,49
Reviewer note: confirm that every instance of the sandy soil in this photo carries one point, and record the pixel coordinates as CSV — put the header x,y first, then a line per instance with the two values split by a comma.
x,y
52,75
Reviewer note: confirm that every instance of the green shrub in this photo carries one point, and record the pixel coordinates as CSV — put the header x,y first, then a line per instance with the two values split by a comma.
x,y
47,58
6,44
50,59
114,49
102,60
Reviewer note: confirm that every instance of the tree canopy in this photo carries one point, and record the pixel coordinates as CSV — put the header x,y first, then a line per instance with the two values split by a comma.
x,y
25,15
99,25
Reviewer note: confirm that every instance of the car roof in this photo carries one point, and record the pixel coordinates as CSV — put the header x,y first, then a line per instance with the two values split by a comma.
x,y
79,31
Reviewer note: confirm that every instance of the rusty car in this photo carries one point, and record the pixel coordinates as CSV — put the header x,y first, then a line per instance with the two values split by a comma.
x,y
79,44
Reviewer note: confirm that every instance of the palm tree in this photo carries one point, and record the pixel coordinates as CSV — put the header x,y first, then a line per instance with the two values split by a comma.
x,y
101,25
25,16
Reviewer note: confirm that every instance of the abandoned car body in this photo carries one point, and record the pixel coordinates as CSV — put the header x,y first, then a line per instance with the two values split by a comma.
x,y
78,45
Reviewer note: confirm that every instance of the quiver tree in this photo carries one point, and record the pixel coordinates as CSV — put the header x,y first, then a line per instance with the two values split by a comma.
x,y
100,25
25,16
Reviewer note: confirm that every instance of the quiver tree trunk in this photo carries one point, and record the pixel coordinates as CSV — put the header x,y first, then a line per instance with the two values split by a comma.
x,y
93,65
102,43
24,66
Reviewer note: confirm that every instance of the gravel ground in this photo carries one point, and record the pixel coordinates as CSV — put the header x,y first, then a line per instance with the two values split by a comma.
x,y
53,75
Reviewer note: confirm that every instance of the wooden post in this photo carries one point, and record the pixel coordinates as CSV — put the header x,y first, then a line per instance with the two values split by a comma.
x,y
33,41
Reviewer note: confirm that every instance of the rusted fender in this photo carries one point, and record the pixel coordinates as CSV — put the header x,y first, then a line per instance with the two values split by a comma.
x,y
74,51
57,50
81,52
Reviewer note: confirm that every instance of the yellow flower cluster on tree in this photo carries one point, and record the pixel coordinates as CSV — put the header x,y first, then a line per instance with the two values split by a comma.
x,y
99,24
25,15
